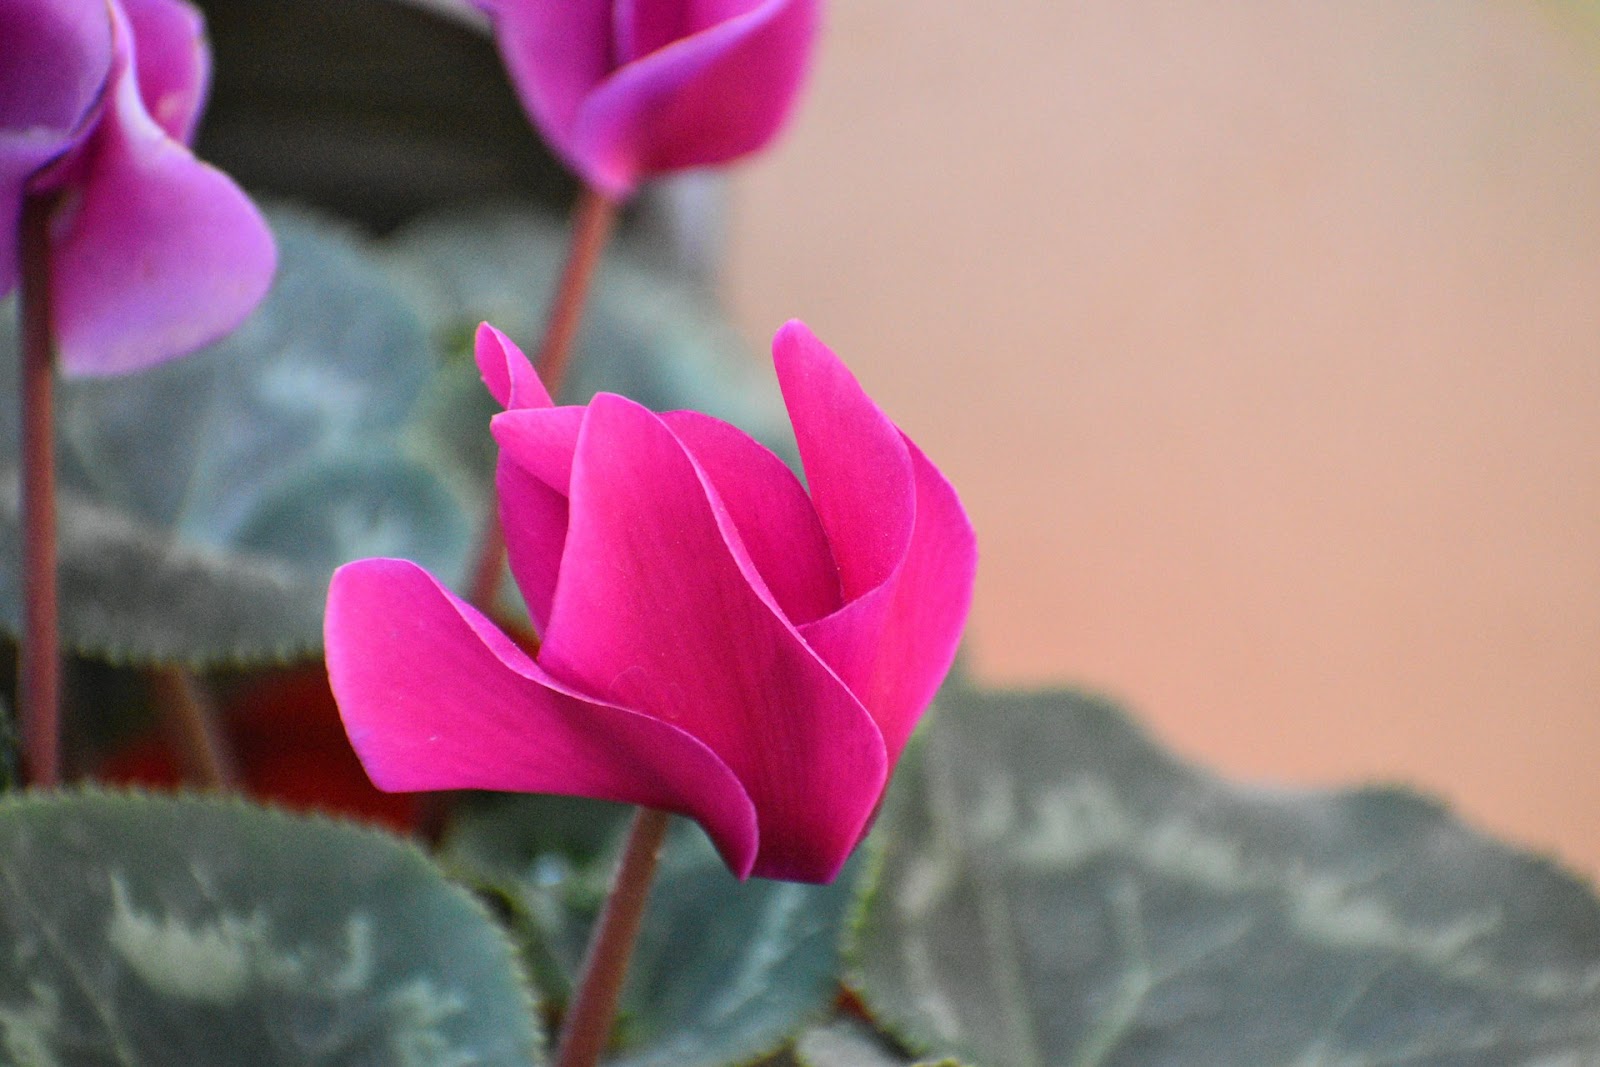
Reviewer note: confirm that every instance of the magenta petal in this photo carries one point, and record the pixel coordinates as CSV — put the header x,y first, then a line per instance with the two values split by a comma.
x,y
556,52
895,644
159,253
906,552
173,62
654,610
506,372
533,521
434,697
542,441
857,466
531,480
56,58
644,26
704,99
775,519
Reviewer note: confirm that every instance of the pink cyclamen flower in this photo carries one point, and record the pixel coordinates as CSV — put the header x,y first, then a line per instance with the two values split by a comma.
x,y
625,89
716,642
153,253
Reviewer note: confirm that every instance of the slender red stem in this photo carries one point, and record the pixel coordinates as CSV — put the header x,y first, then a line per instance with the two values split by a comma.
x,y
588,1022
592,221
39,667
191,723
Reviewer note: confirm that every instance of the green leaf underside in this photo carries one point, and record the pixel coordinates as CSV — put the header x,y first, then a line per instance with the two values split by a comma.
x,y
851,1043
162,931
724,971
1054,889
206,502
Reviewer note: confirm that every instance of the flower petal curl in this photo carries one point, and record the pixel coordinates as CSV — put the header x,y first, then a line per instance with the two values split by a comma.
x,y
174,68
52,80
704,99
155,252
433,696
775,519
906,550
507,373
655,609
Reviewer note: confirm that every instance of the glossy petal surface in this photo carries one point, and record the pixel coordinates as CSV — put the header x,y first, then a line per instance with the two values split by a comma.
x,y
506,372
655,609
906,552
644,26
896,643
435,697
680,573
556,52
624,89
705,99
770,509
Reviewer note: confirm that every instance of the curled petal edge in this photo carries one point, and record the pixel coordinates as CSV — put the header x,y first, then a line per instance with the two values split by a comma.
x,y
434,696
672,108
507,372
660,606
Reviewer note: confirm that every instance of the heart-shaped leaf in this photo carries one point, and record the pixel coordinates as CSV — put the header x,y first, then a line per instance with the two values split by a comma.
x,y
850,1043
1054,889
206,502
146,931
724,971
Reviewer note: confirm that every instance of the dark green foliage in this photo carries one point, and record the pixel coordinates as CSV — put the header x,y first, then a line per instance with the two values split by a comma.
x,y
1054,889
724,972
187,931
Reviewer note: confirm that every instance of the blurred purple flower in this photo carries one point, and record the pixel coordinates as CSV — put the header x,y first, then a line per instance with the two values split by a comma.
x,y
625,89
153,253
716,641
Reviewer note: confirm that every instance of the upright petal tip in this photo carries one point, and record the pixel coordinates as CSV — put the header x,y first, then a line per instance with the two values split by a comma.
x,y
795,342
506,371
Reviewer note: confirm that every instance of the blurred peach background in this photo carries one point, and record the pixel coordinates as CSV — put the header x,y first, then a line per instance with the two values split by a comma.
x,y
1263,341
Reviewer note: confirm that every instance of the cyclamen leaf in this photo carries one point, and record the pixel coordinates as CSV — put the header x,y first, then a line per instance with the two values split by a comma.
x,y
154,931
1055,889
728,970
206,502
849,1043
724,971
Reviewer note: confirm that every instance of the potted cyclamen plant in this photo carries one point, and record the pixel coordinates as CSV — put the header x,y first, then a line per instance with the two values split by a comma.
x,y
364,469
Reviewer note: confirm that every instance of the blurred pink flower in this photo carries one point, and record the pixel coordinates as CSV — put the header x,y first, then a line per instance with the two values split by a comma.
x,y
715,641
153,253
625,89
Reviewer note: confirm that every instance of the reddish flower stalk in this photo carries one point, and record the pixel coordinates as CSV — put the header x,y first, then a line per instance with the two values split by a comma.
x,y
190,717
39,669
605,965
592,219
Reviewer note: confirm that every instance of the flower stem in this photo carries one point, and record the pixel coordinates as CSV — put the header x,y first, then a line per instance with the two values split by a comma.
x,y
592,220
191,723
39,669
588,1022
